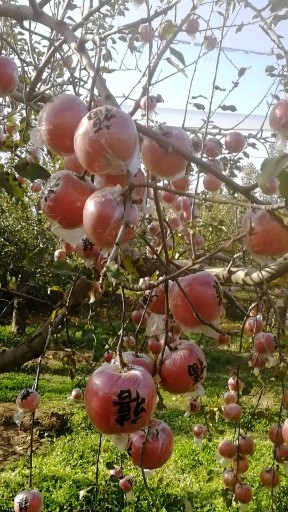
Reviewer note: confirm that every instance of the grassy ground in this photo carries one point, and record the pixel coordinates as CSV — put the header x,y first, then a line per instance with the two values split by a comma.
x,y
66,444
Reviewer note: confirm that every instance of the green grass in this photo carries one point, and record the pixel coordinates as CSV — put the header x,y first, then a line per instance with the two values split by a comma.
x,y
64,465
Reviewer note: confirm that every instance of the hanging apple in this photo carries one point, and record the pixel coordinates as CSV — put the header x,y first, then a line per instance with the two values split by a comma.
x,y
139,359
8,76
105,141
71,163
146,33
103,217
212,147
211,183
28,400
163,163
119,400
235,142
58,121
156,303
266,236
183,368
63,199
205,295
28,501
192,26
278,118
151,447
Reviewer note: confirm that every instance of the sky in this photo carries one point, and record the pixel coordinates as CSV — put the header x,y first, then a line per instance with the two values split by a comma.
x,y
238,48
250,49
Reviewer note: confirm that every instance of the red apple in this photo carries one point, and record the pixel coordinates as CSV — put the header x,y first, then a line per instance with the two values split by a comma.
x,y
243,493
8,76
105,141
63,199
265,236
28,501
192,26
103,216
28,400
146,33
278,118
58,121
151,448
235,142
163,163
120,401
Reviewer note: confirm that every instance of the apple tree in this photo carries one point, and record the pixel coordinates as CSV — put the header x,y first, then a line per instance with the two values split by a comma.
x,y
176,215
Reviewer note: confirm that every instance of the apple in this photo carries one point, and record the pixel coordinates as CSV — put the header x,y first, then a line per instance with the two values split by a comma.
x,y
120,401
106,141
146,33
265,235
28,501
163,163
235,142
192,26
103,216
8,76
63,198
58,121
278,118
233,412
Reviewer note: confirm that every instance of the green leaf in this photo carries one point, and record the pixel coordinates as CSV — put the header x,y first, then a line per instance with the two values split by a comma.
x,y
231,108
270,69
63,266
178,55
240,27
172,63
283,186
168,28
32,171
247,388
242,72
10,184
218,88
187,505
104,69
271,168
199,106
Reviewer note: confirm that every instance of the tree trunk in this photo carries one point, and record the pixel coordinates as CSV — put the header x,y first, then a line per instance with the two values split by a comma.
x,y
20,310
34,346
